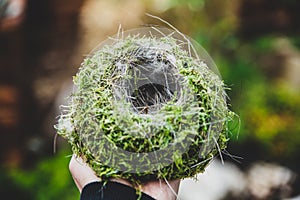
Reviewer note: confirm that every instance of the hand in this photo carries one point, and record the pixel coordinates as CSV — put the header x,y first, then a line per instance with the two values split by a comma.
x,y
160,189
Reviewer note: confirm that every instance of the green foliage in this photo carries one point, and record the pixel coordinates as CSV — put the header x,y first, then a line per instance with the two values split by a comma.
x,y
269,108
50,179
193,4
272,117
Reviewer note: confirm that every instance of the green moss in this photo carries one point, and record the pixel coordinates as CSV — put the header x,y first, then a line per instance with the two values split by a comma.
x,y
146,108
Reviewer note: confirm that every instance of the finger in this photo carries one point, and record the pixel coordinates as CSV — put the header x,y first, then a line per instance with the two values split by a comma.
x,y
81,172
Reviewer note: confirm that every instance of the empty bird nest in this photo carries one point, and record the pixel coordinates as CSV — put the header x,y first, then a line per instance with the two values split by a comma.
x,y
147,104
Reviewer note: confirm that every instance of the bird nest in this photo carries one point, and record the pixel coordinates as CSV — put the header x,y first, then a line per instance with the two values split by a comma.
x,y
147,104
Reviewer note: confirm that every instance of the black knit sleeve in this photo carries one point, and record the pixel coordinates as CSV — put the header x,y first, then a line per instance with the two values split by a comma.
x,y
110,191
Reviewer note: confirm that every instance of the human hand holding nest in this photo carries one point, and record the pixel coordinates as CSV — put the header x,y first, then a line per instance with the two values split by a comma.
x,y
160,189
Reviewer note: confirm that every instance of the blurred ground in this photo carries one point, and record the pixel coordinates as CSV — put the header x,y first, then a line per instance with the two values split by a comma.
x,y
227,181
254,43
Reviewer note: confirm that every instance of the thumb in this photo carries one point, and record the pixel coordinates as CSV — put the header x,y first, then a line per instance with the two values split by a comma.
x,y
82,174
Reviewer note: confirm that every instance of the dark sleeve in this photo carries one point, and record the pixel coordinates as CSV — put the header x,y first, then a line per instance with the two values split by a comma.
x,y
110,191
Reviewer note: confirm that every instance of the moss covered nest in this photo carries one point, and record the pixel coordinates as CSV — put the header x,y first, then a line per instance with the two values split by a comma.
x,y
147,104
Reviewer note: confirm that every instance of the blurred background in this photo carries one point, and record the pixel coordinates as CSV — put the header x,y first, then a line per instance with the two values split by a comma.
x,y
255,44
